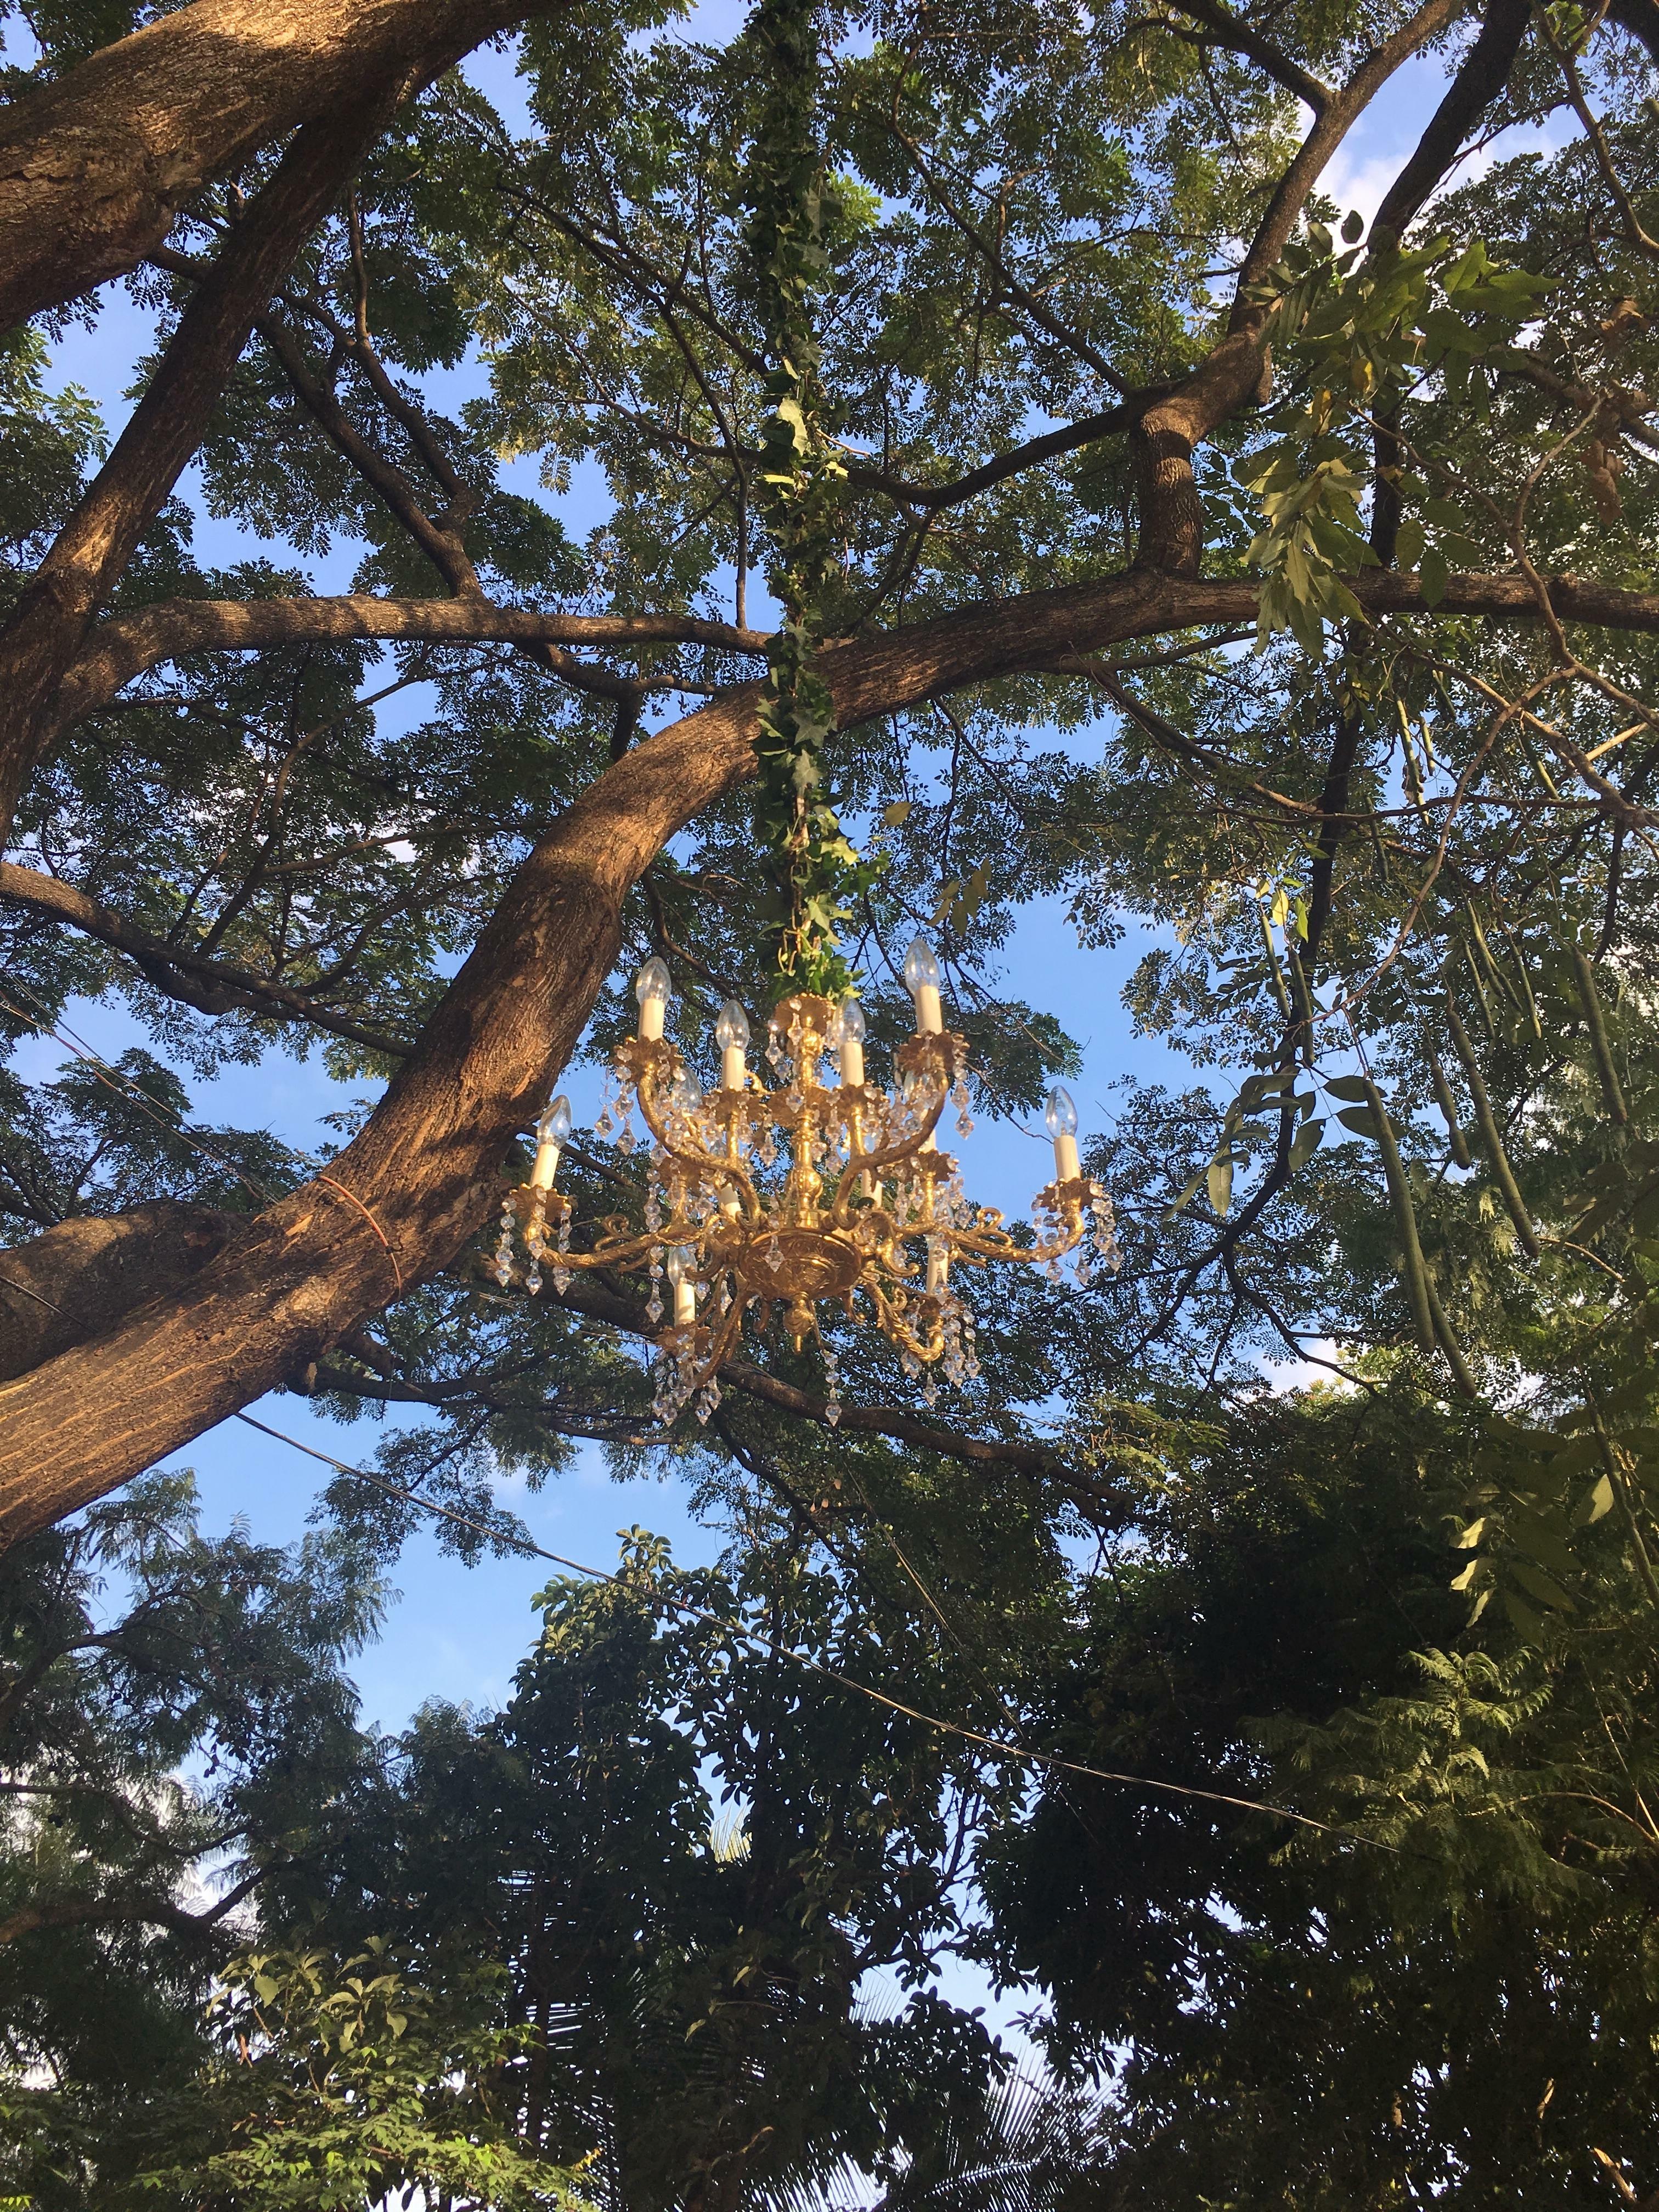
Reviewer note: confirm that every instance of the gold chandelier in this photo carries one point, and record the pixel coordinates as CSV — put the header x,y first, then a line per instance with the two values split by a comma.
x,y
815,1191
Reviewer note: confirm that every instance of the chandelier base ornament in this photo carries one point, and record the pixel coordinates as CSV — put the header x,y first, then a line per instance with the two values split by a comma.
x,y
867,1208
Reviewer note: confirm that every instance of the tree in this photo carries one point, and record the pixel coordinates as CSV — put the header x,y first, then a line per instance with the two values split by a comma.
x,y
1041,408
1158,534
176,1731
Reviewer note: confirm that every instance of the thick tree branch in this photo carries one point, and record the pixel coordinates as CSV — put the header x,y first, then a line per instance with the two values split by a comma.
x,y
43,638
212,987
1320,144
1243,37
146,1910
1482,77
586,1296
1231,377
423,1173
93,167
85,1274
441,543
125,645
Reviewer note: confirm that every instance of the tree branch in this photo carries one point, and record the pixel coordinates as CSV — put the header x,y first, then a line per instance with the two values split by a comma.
x,y
93,167
125,645
1243,37
157,1911
212,987
1484,74
416,1183
43,637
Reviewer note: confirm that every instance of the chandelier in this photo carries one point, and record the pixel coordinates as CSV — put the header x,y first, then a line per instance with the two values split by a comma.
x,y
823,1190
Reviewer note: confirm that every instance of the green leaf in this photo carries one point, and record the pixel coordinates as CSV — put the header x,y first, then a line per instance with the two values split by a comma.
x,y
1431,572
1308,1139
1538,1585
1597,1504
1362,1120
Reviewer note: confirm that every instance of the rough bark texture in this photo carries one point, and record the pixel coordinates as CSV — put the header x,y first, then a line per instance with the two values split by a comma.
x,y
93,168
127,645
80,1278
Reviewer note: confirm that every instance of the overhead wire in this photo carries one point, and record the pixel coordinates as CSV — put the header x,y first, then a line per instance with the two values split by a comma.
x,y
1015,1753
124,1088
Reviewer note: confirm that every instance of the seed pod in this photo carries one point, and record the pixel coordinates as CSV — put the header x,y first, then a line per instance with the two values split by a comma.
x,y
1462,1373
1479,991
1489,961
1598,1036
1530,1006
1497,1158
1405,1214
1275,973
1299,991
1448,1105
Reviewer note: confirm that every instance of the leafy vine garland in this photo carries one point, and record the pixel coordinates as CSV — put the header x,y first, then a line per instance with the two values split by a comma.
x,y
818,873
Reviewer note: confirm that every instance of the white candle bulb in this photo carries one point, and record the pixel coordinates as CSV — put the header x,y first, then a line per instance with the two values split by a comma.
x,y
1060,1118
650,987
921,979
550,1132
852,1042
731,1034
685,1288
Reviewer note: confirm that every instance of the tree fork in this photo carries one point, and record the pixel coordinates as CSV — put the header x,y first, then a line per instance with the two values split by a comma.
x,y
422,1172
420,1178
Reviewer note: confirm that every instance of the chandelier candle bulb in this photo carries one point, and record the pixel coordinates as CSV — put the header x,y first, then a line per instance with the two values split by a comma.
x,y
731,1034
685,1289
921,979
652,986
1060,1118
851,1054
550,1132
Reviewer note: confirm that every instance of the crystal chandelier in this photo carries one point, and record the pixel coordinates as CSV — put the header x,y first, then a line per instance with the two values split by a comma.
x,y
817,1191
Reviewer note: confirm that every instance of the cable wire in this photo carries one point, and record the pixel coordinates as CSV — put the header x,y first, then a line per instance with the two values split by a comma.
x,y
1012,1752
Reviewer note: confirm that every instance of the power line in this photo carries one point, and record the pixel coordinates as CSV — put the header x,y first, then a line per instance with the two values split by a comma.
x,y
123,1087
1013,1752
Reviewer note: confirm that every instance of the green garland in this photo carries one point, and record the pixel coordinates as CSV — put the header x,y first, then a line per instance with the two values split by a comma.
x,y
816,871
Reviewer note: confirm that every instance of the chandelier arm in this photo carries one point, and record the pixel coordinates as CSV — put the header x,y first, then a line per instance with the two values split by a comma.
x,y
890,1319
622,1256
997,1244
709,1165
721,1344
858,1163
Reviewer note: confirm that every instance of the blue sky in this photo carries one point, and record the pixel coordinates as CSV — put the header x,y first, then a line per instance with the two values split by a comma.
x,y
455,1633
